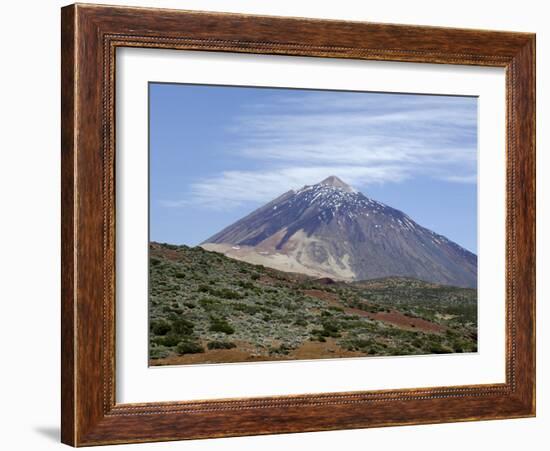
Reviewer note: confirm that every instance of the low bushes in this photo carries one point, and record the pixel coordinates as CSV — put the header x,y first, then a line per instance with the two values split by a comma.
x,y
246,284
189,347
221,325
329,329
224,293
160,327
221,345
181,326
170,340
156,353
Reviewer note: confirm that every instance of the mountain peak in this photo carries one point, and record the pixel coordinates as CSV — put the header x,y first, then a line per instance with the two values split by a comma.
x,y
330,230
337,183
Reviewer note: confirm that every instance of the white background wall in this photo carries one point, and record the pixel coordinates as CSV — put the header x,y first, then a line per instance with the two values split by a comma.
x,y
29,225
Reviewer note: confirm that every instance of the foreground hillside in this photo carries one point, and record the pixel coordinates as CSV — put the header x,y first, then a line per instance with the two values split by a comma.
x,y
207,308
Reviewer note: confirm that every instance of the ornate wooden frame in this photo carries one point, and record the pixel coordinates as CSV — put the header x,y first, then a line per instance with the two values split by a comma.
x,y
90,35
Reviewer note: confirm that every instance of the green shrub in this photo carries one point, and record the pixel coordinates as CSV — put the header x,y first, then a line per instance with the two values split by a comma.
x,y
246,284
160,327
330,329
189,347
221,325
246,308
282,349
182,326
301,322
176,308
209,304
226,293
436,348
361,344
170,340
158,353
156,340
221,345
207,301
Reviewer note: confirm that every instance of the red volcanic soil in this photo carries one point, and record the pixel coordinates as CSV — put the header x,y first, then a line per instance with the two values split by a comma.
x,y
406,322
325,281
394,317
325,296
244,353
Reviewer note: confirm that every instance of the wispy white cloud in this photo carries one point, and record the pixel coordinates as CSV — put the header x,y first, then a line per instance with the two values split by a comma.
x,y
233,188
466,178
302,138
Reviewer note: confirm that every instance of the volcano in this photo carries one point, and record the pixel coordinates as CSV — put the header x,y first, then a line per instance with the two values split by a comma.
x,y
332,230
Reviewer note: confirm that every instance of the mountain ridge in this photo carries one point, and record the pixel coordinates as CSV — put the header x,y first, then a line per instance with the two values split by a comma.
x,y
332,230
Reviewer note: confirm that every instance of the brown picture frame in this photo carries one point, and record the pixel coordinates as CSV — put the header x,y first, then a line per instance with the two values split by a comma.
x,y
90,36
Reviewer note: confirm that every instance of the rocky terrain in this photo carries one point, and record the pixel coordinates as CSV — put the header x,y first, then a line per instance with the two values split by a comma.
x,y
331,230
207,308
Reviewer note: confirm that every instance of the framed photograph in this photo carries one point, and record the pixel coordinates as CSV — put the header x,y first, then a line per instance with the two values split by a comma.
x,y
279,225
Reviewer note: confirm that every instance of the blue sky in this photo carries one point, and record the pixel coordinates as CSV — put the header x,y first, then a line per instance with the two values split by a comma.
x,y
217,153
